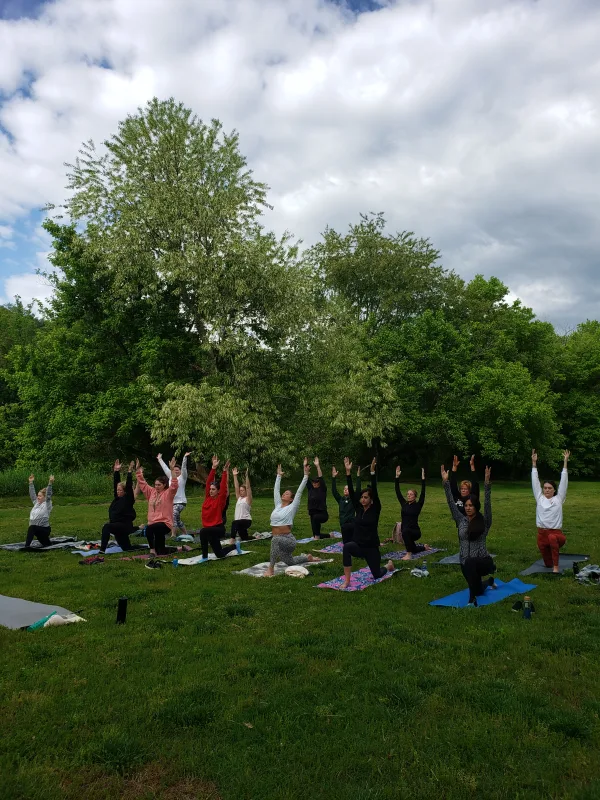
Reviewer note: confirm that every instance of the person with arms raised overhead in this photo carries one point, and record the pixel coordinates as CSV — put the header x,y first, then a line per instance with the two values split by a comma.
x,y
473,528
549,512
347,512
410,508
160,510
242,518
180,502
365,539
283,541
465,489
121,512
317,503
213,529
39,516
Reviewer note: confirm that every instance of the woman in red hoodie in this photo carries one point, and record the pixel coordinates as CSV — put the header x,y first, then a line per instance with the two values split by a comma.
x,y
213,506
160,509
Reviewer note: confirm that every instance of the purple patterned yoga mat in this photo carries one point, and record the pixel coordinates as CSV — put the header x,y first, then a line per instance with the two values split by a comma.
x,y
338,547
398,555
361,579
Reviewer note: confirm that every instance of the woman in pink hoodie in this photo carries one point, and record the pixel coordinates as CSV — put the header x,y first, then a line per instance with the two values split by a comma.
x,y
160,509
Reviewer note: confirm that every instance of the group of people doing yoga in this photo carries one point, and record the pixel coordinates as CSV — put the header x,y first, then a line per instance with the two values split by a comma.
x,y
359,512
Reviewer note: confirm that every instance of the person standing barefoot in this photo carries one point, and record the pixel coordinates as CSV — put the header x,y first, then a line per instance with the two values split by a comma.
x,y
549,512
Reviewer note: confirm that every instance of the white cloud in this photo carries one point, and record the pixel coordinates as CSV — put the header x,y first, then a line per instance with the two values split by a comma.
x,y
28,286
473,122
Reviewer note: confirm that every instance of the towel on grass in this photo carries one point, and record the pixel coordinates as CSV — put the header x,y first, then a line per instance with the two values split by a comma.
x,y
258,570
359,580
190,562
396,556
504,590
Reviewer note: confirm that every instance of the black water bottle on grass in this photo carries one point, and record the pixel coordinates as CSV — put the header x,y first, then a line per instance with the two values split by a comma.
x,y
121,611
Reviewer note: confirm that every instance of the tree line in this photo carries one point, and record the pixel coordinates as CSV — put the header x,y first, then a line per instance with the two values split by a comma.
x,y
179,321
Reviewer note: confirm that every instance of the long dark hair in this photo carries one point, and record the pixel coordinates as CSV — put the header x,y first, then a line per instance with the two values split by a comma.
x,y
477,524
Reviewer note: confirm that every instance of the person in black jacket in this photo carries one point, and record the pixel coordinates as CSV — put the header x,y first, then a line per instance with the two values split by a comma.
x,y
347,512
317,503
466,489
365,541
121,512
410,510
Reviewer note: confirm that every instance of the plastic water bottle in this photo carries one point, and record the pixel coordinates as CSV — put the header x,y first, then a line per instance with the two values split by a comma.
x,y
175,562
424,570
238,543
526,607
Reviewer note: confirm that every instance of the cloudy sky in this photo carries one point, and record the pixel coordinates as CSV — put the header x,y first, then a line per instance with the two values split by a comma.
x,y
472,122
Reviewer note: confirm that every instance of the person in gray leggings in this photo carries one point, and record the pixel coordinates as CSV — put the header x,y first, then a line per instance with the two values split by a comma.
x,y
282,519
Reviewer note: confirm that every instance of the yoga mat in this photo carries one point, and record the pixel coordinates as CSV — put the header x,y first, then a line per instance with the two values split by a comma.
x,y
565,561
504,590
190,562
338,547
58,543
359,580
112,548
258,570
455,559
335,534
16,613
414,556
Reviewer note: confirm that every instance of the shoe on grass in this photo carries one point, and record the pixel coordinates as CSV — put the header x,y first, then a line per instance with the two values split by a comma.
x,y
518,606
153,564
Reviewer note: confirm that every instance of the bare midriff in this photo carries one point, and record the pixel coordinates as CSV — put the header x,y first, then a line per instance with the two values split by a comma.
x,y
277,530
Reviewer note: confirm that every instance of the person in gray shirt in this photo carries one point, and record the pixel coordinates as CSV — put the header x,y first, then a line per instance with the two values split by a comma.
x,y
39,518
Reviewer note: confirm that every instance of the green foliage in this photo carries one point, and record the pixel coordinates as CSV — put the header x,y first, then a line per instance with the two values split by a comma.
x,y
82,483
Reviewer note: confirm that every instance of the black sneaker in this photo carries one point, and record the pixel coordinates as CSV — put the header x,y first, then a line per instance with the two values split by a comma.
x,y
153,564
518,606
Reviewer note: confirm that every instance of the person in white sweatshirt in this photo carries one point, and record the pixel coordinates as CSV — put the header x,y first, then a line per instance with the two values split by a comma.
x,y
39,517
282,519
180,501
549,512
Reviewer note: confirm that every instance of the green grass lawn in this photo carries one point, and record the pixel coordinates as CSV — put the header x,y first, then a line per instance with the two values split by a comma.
x,y
221,686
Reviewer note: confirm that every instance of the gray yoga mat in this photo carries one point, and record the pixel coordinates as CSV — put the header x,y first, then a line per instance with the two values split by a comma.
x,y
17,613
455,559
565,561
58,543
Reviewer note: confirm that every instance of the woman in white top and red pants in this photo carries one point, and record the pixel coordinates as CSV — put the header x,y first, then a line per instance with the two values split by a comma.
x,y
549,513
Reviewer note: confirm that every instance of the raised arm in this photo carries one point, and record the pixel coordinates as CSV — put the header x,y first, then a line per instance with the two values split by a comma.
x,y
146,490
535,478
421,499
564,478
116,477
296,501
248,489
374,492
224,486
164,467
32,492
49,490
487,500
334,489
184,472
277,487
456,515
173,487
399,494
353,497
129,483
236,485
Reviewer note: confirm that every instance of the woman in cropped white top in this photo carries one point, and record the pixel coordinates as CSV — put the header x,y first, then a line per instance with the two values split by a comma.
x,y
282,519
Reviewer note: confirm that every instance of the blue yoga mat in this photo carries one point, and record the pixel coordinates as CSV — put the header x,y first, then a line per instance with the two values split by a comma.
x,y
461,599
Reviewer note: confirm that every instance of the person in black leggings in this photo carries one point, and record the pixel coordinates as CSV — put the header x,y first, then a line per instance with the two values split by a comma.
x,y
317,503
347,512
410,510
121,512
365,541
